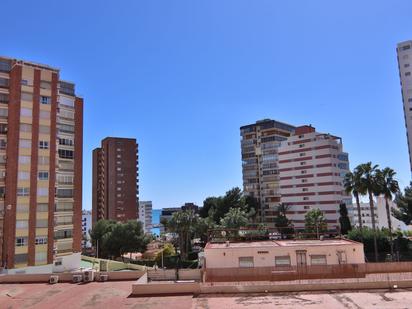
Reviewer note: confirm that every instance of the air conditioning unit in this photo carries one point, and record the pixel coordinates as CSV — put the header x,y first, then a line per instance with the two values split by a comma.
x,y
53,279
77,278
103,277
88,276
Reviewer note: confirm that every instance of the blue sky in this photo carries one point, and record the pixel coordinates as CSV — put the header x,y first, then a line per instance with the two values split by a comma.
x,y
183,76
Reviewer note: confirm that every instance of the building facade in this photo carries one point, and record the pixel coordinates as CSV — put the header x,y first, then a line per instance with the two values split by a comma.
x,y
381,217
259,147
283,253
86,227
312,167
115,180
404,52
41,140
145,215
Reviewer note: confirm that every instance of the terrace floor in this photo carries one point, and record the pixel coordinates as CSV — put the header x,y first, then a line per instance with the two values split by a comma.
x,y
117,295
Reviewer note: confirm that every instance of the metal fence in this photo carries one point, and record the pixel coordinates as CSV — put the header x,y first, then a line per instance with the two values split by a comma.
x,y
303,272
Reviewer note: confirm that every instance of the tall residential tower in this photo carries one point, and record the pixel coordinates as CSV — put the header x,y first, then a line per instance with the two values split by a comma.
x,y
404,51
259,145
115,180
41,137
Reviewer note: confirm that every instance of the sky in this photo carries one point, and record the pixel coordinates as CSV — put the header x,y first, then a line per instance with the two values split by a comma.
x,y
182,76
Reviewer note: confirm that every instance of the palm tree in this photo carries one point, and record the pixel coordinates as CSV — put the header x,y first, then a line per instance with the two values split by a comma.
x,y
369,181
184,224
353,185
388,185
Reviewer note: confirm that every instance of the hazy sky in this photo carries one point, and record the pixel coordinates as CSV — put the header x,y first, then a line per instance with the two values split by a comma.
x,y
183,76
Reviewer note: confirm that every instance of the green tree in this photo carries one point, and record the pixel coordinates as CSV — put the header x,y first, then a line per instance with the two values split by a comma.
x,y
116,239
283,224
370,182
184,224
210,204
167,250
101,228
315,223
235,218
368,239
403,201
353,185
387,186
344,221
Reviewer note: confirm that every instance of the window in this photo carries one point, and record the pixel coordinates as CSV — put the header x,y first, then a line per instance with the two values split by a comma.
x,y
22,241
5,66
65,179
42,160
318,260
3,144
305,198
65,141
22,208
42,207
66,101
45,84
66,114
43,175
23,175
42,223
246,261
24,160
24,82
406,47
302,163
24,127
41,240
65,193
3,128
4,112
304,189
4,98
66,154
43,144
66,128
23,191
45,100
301,145
26,112
61,234
22,224
64,206
20,258
407,73
25,143
41,257
25,96
44,114
42,191
406,65
44,129
282,260
4,82
303,172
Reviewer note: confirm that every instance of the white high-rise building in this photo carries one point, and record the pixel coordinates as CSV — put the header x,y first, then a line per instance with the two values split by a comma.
x,y
312,167
404,51
86,227
145,215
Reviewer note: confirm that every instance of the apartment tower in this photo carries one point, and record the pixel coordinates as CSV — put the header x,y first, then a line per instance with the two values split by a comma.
x,y
259,145
312,167
115,180
41,136
404,51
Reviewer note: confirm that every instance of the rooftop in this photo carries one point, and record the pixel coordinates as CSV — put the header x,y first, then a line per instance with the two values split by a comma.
x,y
281,243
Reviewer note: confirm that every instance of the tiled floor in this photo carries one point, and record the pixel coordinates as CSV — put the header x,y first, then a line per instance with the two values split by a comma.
x,y
116,295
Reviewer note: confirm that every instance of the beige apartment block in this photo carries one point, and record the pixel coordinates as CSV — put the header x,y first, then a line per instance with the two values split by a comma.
x,y
312,167
41,140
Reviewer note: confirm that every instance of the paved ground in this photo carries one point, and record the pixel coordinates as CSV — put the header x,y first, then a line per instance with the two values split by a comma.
x,y
116,295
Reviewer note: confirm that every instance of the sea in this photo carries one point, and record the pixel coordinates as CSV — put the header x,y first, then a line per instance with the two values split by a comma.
x,y
156,220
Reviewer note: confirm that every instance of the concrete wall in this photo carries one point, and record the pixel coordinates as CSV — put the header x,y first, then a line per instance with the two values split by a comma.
x,y
67,277
229,257
114,265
